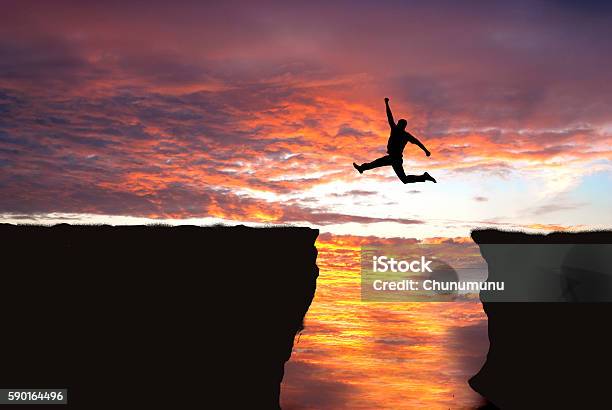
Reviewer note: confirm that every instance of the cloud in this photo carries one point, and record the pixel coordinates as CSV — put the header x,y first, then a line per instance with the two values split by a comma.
x,y
107,109
556,207
355,192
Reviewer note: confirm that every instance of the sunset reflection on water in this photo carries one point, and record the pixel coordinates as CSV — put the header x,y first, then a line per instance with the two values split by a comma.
x,y
367,355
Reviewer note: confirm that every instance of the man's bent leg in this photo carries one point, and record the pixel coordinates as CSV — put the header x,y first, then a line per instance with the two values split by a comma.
x,y
380,162
406,179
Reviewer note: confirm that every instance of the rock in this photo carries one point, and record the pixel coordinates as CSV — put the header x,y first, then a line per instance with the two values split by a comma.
x,y
546,350
143,316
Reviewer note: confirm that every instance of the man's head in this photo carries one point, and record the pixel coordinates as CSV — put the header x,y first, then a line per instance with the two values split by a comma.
x,y
402,124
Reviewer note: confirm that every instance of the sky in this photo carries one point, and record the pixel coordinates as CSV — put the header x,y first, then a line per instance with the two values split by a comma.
x,y
252,112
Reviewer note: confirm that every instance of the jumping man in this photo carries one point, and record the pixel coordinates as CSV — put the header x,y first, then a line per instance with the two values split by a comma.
x,y
398,139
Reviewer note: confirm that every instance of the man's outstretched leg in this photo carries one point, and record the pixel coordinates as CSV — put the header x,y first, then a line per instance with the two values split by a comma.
x,y
380,162
408,179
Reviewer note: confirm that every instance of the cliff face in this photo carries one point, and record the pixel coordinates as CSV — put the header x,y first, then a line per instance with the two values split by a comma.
x,y
547,355
136,316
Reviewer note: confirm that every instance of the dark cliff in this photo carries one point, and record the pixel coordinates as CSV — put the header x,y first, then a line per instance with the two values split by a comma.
x,y
137,316
551,346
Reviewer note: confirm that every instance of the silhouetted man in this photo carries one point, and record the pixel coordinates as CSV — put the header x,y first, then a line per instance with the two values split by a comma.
x,y
395,147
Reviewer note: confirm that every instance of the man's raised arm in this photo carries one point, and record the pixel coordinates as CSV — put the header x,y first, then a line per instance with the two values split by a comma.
x,y
389,114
